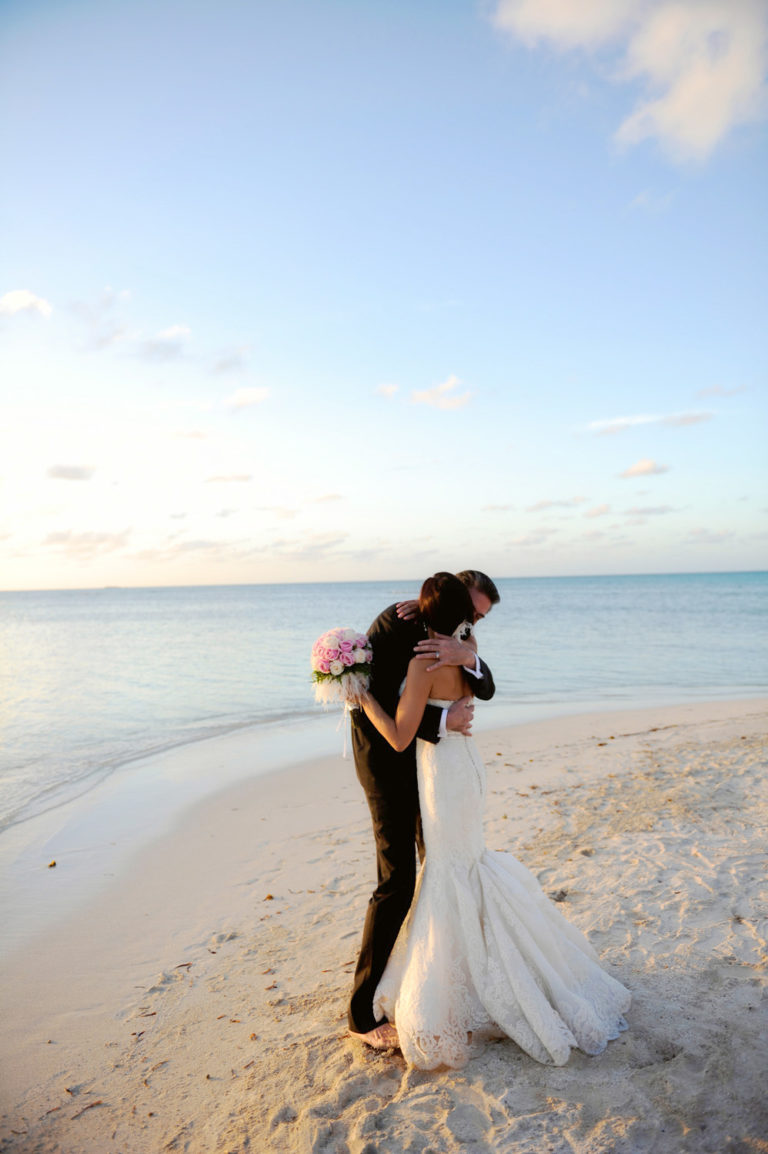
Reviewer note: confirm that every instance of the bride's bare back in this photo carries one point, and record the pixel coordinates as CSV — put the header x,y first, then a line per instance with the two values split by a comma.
x,y
447,683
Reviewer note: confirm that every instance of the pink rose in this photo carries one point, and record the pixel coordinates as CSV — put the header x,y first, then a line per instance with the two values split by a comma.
x,y
369,655
324,666
346,646
361,641
330,654
347,658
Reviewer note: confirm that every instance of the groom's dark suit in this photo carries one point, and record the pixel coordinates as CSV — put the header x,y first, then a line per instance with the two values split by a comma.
x,y
389,781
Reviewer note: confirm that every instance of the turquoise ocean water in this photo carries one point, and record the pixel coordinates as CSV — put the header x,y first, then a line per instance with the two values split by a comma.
x,y
93,680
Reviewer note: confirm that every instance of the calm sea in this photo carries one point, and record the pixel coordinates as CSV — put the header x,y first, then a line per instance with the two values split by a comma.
x,y
92,680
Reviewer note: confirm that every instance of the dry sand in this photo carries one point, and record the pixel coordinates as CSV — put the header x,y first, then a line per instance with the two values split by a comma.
x,y
199,1003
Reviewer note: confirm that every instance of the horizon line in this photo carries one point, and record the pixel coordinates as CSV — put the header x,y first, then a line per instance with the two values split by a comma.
x,y
384,580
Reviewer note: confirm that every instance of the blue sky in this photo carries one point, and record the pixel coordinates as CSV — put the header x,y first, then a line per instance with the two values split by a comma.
x,y
298,291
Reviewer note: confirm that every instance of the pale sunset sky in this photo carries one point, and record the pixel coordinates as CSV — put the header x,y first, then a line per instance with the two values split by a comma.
x,y
305,290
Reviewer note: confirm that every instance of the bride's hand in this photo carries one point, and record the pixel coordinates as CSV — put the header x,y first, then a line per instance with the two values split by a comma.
x,y
442,650
460,715
407,610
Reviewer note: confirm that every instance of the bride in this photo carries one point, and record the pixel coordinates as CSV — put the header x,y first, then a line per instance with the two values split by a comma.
x,y
482,952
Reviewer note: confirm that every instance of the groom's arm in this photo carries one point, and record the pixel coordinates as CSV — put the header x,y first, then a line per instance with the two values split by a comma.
x,y
429,727
482,686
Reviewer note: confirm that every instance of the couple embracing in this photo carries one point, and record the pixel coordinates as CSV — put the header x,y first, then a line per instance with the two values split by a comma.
x,y
471,947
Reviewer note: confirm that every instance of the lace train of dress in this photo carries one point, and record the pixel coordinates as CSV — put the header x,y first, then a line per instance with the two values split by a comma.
x,y
483,950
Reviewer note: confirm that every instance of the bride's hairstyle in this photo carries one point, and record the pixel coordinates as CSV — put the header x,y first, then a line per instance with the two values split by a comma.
x,y
444,602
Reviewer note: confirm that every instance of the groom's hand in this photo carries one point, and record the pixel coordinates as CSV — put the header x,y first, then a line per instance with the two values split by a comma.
x,y
442,650
460,715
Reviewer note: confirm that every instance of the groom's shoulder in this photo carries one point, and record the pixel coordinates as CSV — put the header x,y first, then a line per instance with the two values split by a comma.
x,y
386,622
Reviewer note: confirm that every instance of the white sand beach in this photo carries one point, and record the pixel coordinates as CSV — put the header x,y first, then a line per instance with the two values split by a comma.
x,y
197,1002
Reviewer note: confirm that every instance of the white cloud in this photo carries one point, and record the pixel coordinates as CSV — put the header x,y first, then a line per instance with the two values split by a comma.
x,y
387,390
441,396
700,63
598,511
246,398
650,510
621,424
71,472
588,24
24,301
644,468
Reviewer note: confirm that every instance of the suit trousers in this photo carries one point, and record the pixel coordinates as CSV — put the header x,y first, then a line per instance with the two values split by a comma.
x,y
389,781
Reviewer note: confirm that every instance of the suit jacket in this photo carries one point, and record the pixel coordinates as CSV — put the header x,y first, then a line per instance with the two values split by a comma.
x,y
392,641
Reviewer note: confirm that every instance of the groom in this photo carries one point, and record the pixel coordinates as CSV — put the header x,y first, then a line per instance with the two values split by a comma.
x,y
389,781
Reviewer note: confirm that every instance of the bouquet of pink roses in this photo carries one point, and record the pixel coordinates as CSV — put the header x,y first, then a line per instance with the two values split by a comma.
x,y
341,665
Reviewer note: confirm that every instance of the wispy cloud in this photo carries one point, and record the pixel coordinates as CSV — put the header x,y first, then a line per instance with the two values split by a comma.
x,y
315,547
650,510
699,64
166,344
598,511
24,301
442,396
229,478
564,503
720,391
88,544
531,540
283,512
104,327
644,468
387,390
673,420
70,472
231,362
651,202
708,536
247,398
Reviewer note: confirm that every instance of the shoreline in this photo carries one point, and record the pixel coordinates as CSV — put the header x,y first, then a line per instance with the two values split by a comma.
x,y
98,831
251,904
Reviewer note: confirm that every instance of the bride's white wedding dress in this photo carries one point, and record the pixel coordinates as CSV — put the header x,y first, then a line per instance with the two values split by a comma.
x,y
483,950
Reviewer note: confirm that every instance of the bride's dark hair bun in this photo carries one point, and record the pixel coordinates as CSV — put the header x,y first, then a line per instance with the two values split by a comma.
x,y
444,602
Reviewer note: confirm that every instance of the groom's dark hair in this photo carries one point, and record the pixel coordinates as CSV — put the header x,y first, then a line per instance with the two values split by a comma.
x,y
444,602
474,579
